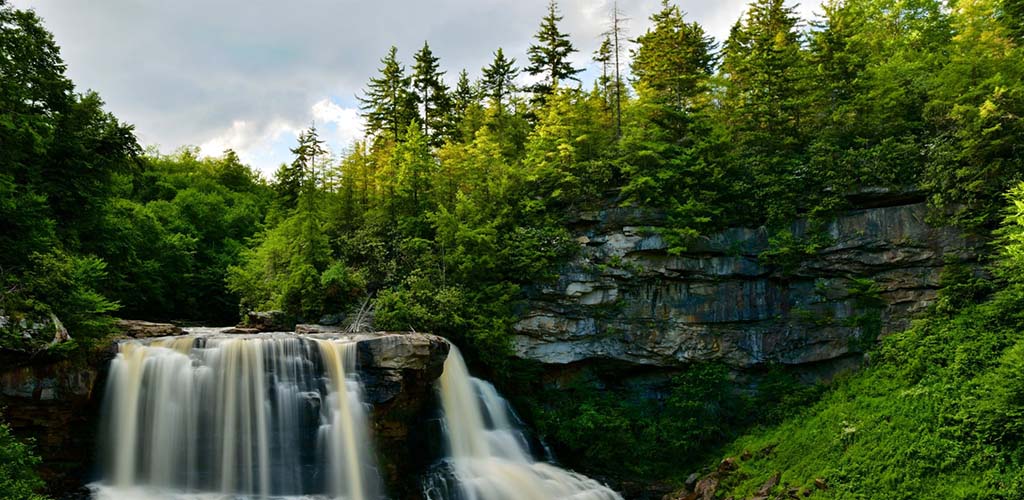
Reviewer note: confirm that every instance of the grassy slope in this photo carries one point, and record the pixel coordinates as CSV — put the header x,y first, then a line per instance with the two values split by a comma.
x,y
938,414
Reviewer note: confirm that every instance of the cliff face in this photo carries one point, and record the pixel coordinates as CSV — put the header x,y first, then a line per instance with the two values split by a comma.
x,y
627,298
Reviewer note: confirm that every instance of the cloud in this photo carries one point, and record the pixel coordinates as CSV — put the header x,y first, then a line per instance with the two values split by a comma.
x,y
264,146
248,73
346,123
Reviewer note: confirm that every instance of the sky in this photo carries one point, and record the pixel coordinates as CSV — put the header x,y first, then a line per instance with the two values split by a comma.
x,y
250,74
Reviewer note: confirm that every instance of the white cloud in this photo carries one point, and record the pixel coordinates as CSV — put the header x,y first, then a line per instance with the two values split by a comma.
x,y
347,123
256,145
266,146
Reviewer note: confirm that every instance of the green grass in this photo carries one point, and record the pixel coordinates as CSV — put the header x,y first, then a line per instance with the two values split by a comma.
x,y
938,414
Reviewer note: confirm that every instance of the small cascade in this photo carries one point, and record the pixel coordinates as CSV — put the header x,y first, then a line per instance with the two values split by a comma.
x,y
246,417
489,455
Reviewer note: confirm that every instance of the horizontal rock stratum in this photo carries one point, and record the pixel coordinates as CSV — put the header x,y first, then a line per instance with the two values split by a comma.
x,y
625,297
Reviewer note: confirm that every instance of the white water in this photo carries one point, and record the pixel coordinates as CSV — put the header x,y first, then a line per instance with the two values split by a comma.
x,y
205,417
489,457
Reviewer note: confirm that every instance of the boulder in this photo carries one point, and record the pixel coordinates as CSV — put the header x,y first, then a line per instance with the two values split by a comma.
x,y
267,321
302,329
144,329
398,371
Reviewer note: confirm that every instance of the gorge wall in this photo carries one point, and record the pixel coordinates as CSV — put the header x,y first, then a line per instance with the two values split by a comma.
x,y
626,298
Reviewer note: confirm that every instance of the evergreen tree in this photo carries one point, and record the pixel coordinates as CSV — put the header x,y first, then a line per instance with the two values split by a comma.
x,y
603,56
764,102
467,113
388,105
549,57
309,155
432,99
499,80
673,60
976,107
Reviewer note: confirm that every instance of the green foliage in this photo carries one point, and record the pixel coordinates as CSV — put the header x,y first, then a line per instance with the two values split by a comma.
x,y
499,80
432,97
936,415
787,249
18,478
616,429
388,105
549,56
673,60
567,154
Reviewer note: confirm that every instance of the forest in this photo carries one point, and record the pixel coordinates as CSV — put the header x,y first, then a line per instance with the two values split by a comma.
x,y
457,201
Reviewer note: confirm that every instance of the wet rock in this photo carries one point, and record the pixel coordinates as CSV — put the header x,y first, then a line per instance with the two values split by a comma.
x,y
239,330
398,371
56,403
267,321
769,485
145,329
706,488
728,465
302,329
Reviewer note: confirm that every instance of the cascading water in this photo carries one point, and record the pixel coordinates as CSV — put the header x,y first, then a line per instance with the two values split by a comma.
x,y
239,416
489,457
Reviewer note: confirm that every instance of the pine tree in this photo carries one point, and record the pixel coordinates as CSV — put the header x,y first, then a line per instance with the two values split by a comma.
x,y
499,80
549,56
764,102
388,105
603,56
463,96
431,95
762,61
310,155
673,60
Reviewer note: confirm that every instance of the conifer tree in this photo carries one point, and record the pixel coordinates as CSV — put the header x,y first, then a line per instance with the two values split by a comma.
x,y
463,96
388,105
762,61
499,80
549,57
673,59
765,98
431,95
603,56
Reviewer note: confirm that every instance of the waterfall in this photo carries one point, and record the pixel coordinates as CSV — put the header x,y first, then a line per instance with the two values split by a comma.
x,y
489,456
252,416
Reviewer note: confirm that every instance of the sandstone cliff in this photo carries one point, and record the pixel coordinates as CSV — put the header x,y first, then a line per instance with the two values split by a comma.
x,y
627,298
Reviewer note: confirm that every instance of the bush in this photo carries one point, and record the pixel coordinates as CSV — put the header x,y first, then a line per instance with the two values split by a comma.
x,y
18,478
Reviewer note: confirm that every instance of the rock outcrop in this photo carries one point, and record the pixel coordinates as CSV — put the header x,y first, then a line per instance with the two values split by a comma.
x,y
398,371
144,329
56,403
627,298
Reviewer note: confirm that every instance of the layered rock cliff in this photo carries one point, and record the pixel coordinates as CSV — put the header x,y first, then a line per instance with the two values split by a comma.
x,y
626,298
